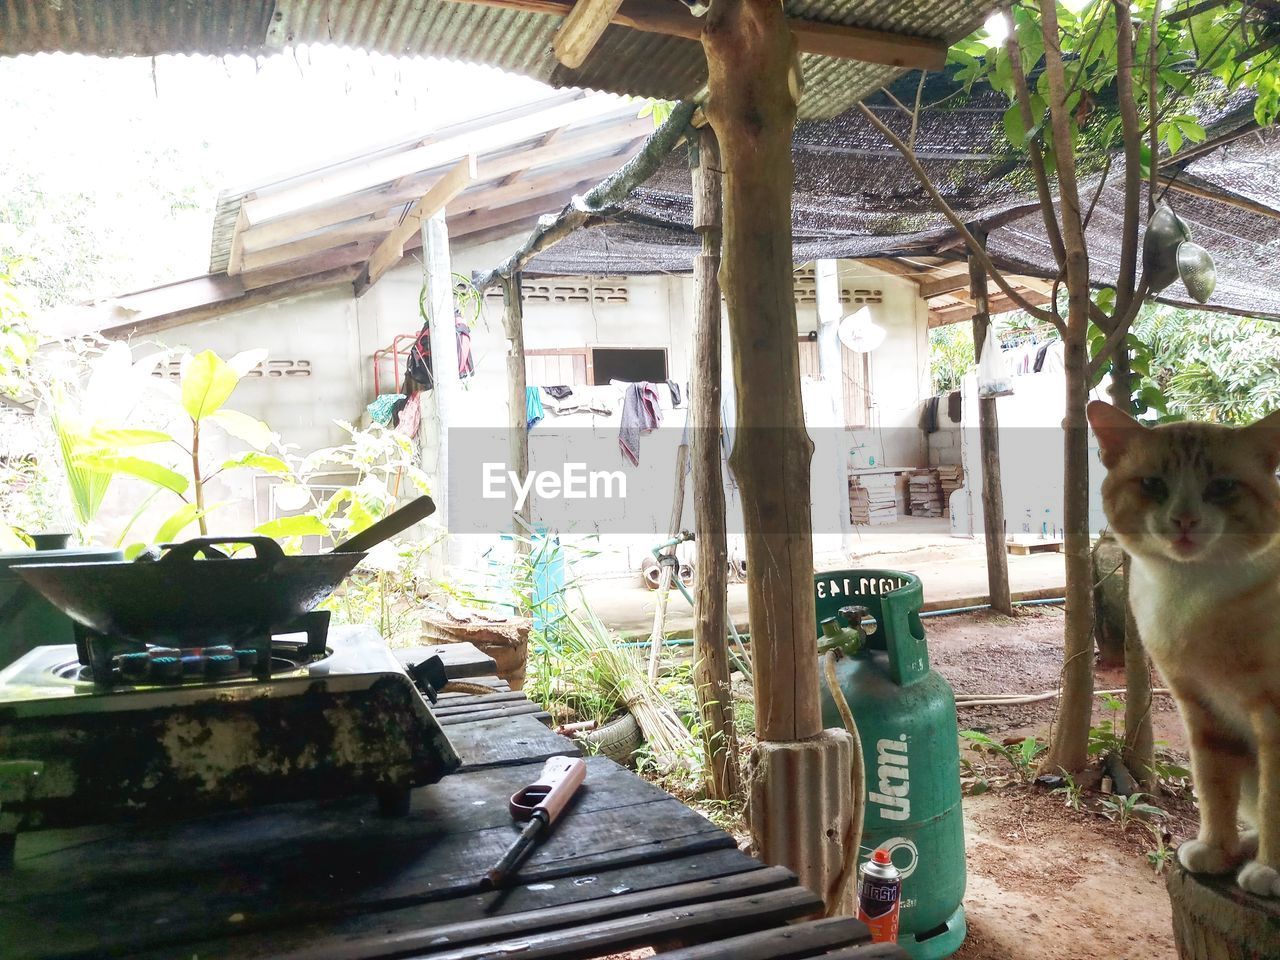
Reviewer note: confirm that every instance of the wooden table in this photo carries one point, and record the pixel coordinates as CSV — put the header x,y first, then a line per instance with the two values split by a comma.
x,y
627,866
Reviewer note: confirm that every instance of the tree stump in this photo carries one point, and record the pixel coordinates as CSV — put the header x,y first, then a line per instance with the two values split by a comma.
x,y
1213,919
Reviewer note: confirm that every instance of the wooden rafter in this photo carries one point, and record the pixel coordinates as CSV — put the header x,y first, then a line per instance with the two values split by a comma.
x,y
391,249
575,146
1219,196
827,39
582,29
367,175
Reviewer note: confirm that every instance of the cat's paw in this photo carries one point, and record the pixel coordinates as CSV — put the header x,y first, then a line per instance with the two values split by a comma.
x,y
1259,880
1199,857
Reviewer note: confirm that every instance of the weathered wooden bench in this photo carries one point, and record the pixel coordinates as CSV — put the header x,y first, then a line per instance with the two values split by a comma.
x,y
628,866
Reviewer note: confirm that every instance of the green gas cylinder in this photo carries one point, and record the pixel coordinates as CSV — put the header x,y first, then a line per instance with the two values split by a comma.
x,y
906,717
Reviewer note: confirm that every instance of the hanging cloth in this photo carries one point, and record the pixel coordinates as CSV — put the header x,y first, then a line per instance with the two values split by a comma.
x,y
558,392
640,415
410,418
675,392
382,407
466,365
533,411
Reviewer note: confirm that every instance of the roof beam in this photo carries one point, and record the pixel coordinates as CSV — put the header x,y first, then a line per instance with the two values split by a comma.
x,y
1220,196
577,146
366,175
582,29
391,249
934,284
827,39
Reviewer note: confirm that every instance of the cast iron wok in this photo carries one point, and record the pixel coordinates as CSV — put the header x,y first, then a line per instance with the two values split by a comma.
x,y
180,600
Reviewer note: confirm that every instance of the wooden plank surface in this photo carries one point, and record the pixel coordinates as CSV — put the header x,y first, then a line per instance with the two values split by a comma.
x,y
507,741
783,943
343,932
92,893
450,719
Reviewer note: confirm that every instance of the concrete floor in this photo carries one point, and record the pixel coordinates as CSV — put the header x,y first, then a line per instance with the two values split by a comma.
x,y
954,573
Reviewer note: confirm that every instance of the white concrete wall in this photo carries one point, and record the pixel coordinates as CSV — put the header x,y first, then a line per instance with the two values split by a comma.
x,y
899,369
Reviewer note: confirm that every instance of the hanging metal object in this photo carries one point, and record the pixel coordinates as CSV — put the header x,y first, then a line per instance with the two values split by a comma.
x,y
1165,232
1196,269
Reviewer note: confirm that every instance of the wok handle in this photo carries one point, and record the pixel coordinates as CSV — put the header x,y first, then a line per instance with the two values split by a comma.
x,y
264,548
394,522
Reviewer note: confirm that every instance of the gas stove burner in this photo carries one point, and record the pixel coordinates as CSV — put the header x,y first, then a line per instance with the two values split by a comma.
x,y
111,662
327,721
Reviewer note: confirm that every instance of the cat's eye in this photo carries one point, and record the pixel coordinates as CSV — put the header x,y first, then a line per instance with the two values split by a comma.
x,y
1220,489
1155,487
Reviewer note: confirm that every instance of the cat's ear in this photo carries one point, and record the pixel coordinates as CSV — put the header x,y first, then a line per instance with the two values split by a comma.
x,y
1114,429
1266,433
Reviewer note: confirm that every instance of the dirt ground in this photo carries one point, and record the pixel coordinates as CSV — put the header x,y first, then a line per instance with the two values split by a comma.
x,y
1047,882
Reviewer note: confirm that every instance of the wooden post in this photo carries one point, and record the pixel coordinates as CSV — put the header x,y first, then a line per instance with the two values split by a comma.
x,y
517,424
799,773
1213,919
989,450
711,675
444,357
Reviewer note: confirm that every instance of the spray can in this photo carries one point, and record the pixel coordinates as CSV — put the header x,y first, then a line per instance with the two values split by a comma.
x,y
879,897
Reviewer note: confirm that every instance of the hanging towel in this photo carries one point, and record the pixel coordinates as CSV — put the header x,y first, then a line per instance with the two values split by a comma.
x,y
381,408
559,392
410,418
640,415
675,392
954,406
533,411
929,416
466,365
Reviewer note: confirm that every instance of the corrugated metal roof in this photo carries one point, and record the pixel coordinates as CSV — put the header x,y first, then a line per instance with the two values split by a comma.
x,y
129,28
624,61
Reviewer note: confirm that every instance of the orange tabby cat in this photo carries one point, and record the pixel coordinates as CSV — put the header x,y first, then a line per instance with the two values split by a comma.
x,y
1197,507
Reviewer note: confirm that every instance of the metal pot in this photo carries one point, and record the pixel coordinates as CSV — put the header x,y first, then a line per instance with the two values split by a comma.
x,y
195,595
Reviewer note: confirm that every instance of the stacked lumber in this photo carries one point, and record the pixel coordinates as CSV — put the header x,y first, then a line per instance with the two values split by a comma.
x,y
872,499
925,494
952,479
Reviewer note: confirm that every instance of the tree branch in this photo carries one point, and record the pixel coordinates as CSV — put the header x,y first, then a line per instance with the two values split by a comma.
x,y
601,200
1127,277
1038,171
1153,127
971,242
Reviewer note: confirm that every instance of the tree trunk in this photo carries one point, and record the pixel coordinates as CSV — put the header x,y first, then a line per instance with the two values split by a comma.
x,y
518,433
989,445
753,82
711,675
1069,748
1214,920
1139,739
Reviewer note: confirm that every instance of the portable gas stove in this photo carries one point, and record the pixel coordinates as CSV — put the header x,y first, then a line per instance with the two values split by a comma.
x,y
101,732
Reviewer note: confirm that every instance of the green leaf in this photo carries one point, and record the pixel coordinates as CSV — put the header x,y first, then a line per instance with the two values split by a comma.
x,y
1014,128
133,549
148,470
244,427
259,461
303,525
106,438
207,382
181,518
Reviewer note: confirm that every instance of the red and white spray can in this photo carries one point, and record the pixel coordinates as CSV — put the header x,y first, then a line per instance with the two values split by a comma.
x,y
880,897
